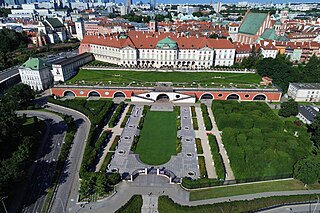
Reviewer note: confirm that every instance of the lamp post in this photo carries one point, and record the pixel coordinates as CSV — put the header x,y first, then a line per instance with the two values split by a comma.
x,y
4,206
316,204
61,204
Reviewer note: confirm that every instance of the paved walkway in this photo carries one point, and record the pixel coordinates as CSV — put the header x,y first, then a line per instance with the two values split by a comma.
x,y
150,204
223,152
158,186
115,131
201,133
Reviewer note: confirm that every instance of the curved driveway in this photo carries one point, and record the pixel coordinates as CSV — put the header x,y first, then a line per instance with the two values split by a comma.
x,y
40,174
67,192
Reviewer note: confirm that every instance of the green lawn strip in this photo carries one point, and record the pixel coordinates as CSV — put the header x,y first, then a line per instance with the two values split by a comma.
x,y
193,111
165,204
206,118
116,115
224,191
116,76
157,141
132,206
199,146
202,167
260,145
195,123
217,158
114,143
106,161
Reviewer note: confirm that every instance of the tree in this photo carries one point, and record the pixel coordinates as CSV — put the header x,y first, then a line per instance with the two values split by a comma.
x,y
288,109
101,184
20,95
314,128
114,178
307,170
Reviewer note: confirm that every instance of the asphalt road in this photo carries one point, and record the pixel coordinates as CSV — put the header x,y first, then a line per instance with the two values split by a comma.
x,y
67,192
8,73
42,169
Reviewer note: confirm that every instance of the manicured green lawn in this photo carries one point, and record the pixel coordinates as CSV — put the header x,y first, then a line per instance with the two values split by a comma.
x,y
158,138
104,76
287,185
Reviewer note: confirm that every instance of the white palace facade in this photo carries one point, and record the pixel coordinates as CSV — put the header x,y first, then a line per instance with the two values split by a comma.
x,y
159,50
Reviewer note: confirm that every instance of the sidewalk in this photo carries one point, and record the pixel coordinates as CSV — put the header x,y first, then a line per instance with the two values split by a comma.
x,y
223,152
201,133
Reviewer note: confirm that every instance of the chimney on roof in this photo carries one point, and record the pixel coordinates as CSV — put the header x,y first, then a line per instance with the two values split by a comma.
x,y
136,36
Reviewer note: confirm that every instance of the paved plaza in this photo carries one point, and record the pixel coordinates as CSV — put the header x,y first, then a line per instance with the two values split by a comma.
x,y
184,164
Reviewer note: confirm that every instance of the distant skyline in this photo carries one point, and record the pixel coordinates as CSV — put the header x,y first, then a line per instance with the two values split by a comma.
x,y
230,1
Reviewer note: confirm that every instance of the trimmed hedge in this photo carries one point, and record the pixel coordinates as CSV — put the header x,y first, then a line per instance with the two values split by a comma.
x,y
200,183
193,111
134,143
132,206
106,161
195,124
217,159
260,145
202,167
114,143
165,204
126,118
116,115
206,118
199,146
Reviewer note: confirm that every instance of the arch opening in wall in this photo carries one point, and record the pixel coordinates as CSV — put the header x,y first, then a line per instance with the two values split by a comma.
x,y
163,97
233,97
69,94
93,94
260,98
119,95
206,96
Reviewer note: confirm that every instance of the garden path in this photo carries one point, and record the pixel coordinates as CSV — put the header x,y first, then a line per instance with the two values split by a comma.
x,y
223,152
201,133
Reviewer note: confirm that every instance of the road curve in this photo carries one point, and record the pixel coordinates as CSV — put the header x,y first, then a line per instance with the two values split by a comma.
x,y
32,196
66,195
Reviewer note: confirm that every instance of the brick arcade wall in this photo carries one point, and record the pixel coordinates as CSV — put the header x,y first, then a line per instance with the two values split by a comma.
x,y
244,96
81,92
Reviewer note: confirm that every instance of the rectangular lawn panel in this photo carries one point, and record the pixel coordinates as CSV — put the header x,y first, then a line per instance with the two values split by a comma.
x,y
157,141
119,76
259,144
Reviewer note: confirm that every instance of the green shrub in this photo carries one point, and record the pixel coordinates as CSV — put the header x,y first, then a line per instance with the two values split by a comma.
x,y
199,146
115,143
206,118
200,183
202,167
260,145
116,115
217,159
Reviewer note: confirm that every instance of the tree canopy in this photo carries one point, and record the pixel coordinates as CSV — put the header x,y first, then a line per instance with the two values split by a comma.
x,y
288,109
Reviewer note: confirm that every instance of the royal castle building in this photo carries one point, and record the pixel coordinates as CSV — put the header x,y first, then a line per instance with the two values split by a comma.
x,y
159,50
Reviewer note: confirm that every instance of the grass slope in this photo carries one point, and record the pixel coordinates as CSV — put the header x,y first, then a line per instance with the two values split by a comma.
x,y
158,138
286,185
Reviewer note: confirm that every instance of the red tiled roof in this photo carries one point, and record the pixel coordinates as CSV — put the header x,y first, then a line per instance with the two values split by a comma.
x,y
147,40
